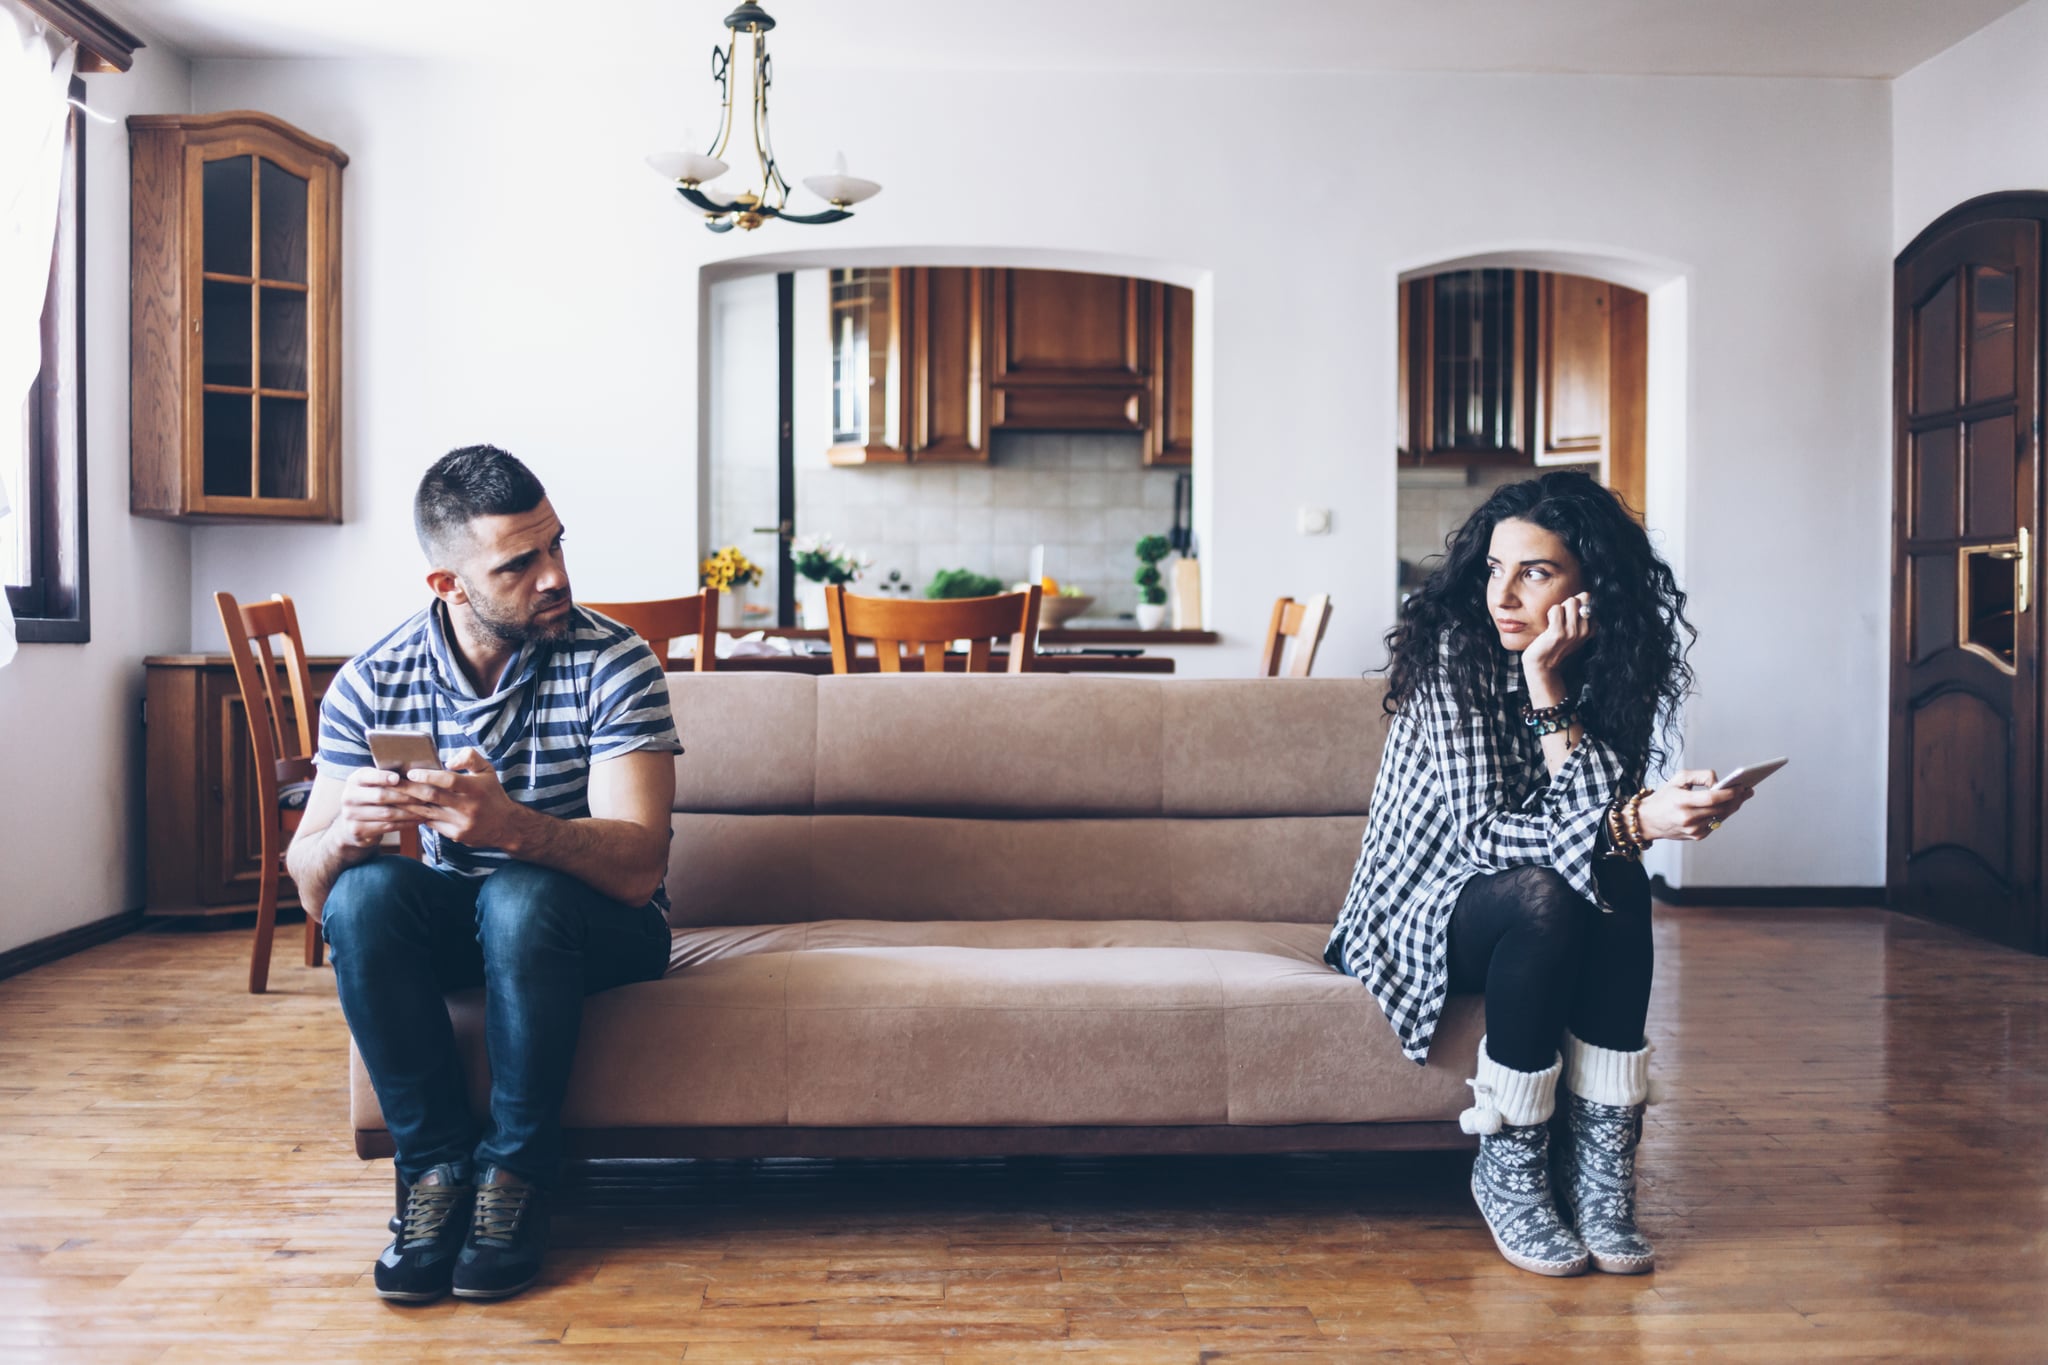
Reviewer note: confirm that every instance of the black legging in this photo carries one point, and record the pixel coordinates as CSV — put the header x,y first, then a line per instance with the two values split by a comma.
x,y
1547,957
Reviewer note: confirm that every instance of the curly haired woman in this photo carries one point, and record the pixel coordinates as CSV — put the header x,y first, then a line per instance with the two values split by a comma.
x,y
1532,680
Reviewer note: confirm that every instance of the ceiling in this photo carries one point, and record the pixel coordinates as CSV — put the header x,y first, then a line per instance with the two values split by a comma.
x,y
1840,38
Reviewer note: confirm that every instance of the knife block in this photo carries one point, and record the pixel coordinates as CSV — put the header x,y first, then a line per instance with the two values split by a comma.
x,y
1187,594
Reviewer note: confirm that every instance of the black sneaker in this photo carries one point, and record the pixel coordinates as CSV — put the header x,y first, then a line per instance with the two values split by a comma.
x,y
508,1235
420,1265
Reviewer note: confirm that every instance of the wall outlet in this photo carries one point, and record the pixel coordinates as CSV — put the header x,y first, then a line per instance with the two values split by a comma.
x,y
1315,521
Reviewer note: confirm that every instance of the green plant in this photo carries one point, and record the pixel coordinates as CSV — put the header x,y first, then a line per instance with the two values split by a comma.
x,y
950,583
1150,550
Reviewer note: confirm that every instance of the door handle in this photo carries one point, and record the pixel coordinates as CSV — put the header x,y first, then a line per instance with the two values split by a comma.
x,y
2020,554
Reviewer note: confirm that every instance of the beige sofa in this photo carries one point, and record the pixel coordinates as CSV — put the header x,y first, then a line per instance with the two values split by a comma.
x,y
1004,915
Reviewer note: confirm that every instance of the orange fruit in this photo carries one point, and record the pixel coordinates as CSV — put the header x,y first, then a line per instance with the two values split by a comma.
x,y
1049,586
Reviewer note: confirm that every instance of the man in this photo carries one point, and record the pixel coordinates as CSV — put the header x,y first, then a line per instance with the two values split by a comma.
x,y
545,841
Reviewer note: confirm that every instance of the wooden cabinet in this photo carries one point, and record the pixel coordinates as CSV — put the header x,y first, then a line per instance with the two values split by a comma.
x,y
1465,345
1524,367
235,319
1073,352
927,361
202,816
909,371
1171,437
1592,373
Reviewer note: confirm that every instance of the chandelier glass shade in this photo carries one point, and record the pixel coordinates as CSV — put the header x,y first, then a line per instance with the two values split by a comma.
x,y
752,197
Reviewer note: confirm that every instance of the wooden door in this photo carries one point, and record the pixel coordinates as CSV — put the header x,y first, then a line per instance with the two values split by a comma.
x,y
1965,809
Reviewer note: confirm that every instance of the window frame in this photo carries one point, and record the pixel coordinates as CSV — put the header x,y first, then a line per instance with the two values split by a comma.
x,y
54,606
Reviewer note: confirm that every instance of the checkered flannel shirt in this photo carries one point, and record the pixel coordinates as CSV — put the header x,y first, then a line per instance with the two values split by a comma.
x,y
1461,793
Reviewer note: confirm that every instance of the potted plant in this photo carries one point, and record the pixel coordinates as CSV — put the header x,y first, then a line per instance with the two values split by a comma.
x,y
731,573
820,562
1151,595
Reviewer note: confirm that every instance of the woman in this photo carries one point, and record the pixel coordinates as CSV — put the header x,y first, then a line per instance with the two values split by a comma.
x,y
1532,679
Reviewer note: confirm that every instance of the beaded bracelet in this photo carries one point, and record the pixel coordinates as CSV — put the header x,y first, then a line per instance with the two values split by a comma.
x,y
1632,816
1551,725
1536,714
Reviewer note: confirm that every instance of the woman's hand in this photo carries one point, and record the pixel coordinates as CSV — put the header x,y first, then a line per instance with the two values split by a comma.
x,y
1685,808
1567,626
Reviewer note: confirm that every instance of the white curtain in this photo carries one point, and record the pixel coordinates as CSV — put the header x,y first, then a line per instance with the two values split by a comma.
x,y
35,78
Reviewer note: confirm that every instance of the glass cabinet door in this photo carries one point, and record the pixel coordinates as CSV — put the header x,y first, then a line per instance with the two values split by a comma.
x,y
256,330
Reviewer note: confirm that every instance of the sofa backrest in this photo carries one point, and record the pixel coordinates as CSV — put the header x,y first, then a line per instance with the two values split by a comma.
x,y
1046,797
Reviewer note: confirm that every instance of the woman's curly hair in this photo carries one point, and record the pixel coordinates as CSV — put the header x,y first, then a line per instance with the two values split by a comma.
x,y
1633,666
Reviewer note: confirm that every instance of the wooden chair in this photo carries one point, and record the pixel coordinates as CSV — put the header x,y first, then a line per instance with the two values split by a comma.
x,y
1304,623
283,758
665,620
895,623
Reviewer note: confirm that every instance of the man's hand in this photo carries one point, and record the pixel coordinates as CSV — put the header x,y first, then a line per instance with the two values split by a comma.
x,y
375,803
466,802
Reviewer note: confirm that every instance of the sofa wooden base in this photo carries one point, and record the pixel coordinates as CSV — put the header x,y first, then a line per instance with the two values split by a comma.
x,y
1205,1140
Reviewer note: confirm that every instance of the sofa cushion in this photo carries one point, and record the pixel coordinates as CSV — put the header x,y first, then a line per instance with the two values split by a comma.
x,y
758,869
1028,1022
1034,746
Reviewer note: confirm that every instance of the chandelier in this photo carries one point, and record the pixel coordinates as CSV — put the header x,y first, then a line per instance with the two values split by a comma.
x,y
764,194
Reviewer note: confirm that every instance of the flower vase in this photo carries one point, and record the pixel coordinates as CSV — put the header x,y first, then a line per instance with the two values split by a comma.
x,y
810,604
732,608
1151,615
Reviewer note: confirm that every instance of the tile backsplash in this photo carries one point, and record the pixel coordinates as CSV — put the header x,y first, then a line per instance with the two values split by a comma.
x,y
1086,498
1433,502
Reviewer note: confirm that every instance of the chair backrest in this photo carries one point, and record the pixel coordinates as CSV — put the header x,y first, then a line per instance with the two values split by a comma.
x,y
895,623
249,630
665,620
1302,622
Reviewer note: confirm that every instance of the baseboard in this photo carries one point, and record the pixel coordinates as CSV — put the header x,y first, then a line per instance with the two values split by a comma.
x,y
45,950
1834,896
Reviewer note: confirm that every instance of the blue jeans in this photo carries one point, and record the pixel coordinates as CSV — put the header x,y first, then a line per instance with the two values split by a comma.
x,y
537,941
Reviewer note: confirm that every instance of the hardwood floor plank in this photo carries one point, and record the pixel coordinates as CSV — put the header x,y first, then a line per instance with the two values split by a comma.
x,y
1848,1166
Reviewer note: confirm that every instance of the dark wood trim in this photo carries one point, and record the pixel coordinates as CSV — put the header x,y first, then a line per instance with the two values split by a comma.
x,y
1104,1140
57,608
60,945
2002,204
103,45
1069,635
785,447
1830,896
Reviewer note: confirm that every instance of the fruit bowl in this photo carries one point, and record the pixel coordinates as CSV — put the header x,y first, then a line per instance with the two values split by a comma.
x,y
1054,612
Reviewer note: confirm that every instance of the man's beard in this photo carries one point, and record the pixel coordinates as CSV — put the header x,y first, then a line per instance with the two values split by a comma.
x,y
512,630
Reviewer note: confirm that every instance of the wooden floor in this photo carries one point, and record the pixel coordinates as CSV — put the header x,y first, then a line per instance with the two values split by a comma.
x,y
1852,1163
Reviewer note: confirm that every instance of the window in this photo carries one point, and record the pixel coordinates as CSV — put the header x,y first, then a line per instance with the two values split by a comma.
x,y
42,545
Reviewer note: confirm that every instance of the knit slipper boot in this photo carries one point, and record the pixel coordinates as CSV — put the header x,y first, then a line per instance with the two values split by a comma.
x,y
1595,1158
1511,1176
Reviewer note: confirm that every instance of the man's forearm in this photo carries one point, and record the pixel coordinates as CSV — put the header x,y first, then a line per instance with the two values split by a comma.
x,y
315,859
624,860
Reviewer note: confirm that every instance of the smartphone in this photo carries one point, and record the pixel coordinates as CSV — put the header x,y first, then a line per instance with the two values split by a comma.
x,y
1749,775
401,751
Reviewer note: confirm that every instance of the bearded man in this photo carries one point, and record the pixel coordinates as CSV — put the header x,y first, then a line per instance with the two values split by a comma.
x,y
545,842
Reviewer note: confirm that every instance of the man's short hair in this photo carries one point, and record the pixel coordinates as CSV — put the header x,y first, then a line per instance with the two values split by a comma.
x,y
475,481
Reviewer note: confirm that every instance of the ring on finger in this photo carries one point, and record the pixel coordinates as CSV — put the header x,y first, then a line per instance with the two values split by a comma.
x,y
1713,825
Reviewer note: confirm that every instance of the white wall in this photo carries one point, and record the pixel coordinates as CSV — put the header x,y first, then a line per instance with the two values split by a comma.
x,y
1970,121
514,274
70,715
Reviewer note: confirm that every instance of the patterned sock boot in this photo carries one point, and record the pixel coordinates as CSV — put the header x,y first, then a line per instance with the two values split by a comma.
x,y
1511,1178
1595,1155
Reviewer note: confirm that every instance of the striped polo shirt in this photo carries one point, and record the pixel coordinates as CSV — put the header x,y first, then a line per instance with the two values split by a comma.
x,y
560,706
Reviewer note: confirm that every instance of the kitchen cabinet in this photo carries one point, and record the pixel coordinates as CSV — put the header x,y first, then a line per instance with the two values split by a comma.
x,y
909,370
1466,346
201,807
1526,367
235,319
1170,439
1072,352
